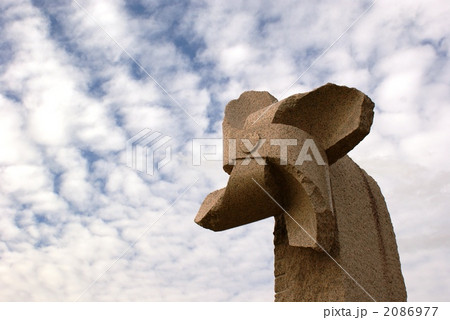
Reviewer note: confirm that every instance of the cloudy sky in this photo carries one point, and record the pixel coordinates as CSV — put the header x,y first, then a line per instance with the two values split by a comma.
x,y
80,78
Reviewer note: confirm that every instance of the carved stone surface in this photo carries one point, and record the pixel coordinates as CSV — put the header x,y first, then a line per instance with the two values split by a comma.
x,y
334,240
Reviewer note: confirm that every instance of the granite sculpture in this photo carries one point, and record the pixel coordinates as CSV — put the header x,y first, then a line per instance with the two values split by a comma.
x,y
333,236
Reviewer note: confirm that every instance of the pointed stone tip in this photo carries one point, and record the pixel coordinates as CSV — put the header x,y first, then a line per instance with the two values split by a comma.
x,y
201,220
205,215
202,217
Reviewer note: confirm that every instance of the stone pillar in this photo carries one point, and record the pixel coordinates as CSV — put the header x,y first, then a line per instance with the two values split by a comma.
x,y
365,248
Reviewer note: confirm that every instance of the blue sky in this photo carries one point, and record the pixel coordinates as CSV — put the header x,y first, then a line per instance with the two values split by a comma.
x,y
77,224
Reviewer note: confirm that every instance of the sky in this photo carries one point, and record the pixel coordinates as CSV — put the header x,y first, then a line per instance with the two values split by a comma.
x,y
78,79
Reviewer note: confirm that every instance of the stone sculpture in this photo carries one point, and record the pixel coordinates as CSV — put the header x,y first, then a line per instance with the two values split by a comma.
x,y
334,239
